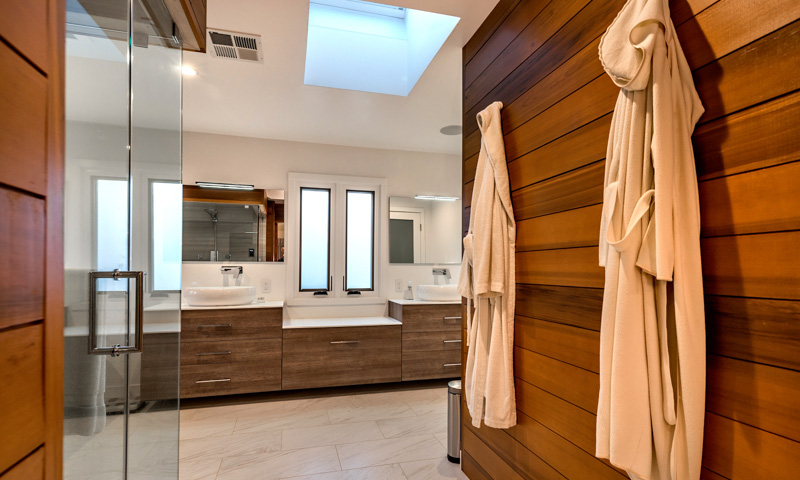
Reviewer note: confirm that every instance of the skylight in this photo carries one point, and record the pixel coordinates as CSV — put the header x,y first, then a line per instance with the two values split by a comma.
x,y
371,47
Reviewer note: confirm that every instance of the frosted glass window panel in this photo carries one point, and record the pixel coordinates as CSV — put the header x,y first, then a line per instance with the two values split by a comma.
x,y
360,240
167,216
315,217
112,228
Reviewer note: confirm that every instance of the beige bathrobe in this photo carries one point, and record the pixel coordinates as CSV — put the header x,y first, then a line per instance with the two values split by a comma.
x,y
652,343
488,281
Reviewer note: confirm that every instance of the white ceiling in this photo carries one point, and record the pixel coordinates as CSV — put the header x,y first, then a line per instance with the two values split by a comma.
x,y
269,100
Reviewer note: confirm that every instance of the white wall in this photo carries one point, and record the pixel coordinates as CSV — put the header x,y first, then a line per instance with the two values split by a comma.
x,y
266,164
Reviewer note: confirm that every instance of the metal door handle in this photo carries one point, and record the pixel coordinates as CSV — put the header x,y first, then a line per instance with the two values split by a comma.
x,y
214,381
452,318
451,365
204,354
217,325
116,350
342,342
451,341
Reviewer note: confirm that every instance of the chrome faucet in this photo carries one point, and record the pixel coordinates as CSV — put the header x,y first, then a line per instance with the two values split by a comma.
x,y
235,270
441,272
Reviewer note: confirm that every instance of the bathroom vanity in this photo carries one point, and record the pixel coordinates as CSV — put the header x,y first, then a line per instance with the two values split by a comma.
x,y
251,348
229,350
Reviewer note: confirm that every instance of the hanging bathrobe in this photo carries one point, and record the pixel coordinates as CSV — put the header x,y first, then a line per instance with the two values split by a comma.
x,y
652,343
487,281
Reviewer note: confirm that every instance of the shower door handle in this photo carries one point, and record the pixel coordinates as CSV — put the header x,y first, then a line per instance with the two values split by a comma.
x,y
138,333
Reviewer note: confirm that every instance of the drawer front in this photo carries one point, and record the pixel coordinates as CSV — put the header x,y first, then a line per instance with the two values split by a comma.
x,y
431,341
326,357
197,325
212,352
230,378
431,318
427,365
21,422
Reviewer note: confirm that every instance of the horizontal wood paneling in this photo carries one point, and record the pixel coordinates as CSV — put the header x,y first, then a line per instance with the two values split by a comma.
x,y
23,24
556,119
32,468
488,28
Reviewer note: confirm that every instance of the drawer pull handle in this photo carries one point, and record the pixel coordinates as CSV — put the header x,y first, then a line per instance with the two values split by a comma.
x,y
342,342
204,354
451,365
216,325
452,318
214,381
451,341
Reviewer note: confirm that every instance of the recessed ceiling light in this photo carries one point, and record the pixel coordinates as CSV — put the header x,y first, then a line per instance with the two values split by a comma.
x,y
188,71
451,130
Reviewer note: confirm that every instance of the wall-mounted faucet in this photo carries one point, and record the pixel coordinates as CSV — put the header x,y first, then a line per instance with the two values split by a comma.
x,y
235,270
441,272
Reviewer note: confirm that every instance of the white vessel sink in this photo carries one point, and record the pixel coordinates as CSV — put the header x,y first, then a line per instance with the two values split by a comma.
x,y
219,296
438,293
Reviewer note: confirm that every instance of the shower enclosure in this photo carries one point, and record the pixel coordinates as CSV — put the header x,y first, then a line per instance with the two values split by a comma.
x,y
122,240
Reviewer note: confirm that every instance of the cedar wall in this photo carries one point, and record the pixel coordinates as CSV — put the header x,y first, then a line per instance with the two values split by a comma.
x,y
540,59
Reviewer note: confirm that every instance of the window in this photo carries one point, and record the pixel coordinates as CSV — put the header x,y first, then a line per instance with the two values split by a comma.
x,y
166,212
335,228
315,239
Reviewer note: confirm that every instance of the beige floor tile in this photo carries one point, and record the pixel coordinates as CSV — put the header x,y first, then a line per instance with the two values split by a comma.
x,y
361,413
440,469
231,411
296,438
442,437
320,403
383,472
280,420
210,427
386,452
199,469
407,427
276,465
231,445
436,405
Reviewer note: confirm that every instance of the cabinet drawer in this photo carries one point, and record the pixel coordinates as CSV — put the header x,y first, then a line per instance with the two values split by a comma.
x,y
233,324
431,341
21,422
426,365
229,378
430,318
326,357
212,352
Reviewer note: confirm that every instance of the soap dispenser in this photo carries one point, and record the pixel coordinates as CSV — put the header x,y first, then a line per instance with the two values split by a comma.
x,y
409,294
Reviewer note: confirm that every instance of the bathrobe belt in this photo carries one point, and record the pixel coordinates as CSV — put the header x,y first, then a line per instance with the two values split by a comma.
x,y
646,262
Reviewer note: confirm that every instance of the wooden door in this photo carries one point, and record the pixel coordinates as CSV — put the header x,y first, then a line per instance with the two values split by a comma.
x,y
31,284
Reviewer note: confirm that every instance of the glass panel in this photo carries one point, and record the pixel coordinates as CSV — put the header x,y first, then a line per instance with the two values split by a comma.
x,y
360,240
315,217
166,212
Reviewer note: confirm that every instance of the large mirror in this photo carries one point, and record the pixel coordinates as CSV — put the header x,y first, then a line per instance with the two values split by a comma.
x,y
230,226
424,230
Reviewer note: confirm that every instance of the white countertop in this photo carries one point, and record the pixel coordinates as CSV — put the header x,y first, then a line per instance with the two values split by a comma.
x,y
270,304
338,322
400,301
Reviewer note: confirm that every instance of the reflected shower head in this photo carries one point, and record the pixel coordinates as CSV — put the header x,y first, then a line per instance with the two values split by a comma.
x,y
213,212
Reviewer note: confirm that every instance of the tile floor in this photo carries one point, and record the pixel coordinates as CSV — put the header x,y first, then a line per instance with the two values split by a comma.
x,y
384,433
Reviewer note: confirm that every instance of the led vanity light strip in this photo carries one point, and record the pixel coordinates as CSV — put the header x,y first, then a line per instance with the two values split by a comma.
x,y
224,186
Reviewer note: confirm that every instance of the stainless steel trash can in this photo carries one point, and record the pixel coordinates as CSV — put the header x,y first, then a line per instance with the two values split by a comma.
x,y
454,421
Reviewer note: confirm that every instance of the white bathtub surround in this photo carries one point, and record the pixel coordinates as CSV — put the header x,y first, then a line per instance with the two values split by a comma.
x,y
649,237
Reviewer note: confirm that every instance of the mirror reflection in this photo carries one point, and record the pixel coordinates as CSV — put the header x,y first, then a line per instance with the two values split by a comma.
x,y
424,231
230,230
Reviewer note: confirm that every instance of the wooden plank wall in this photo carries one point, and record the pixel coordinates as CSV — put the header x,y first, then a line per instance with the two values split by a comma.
x,y
31,231
540,59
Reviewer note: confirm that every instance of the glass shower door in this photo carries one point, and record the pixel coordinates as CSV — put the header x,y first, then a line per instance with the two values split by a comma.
x,y
122,214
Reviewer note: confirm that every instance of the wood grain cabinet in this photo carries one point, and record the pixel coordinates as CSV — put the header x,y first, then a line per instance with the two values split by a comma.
x,y
230,351
334,356
431,340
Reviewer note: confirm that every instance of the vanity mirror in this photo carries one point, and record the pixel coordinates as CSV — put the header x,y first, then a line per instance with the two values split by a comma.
x,y
424,230
232,226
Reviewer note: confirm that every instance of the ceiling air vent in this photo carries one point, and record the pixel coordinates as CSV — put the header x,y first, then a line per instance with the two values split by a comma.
x,y
236,46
